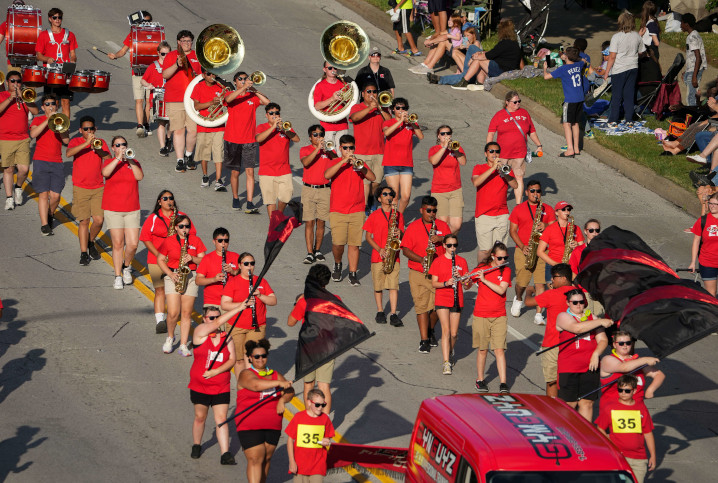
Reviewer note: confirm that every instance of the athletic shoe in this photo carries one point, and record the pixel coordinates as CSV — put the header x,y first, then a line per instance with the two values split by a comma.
x,y
118,285
236,205
424,346
167,346
401,52
205,182
414,54
353,279
539,320
191,165
9,203
516,306
452,358
447,368
700,179
380,318
417,68
165,151
84,258
161,327
140,131
337,272
18,196
309,259
218,186
251,209
462,85
227,459
481,386
503,388
319,257
421,69
432,339
127,275
148,131
92,250
432,78
697,158
589,135
184,351
395,321
196,451
46,230
180,167
475,87
564,147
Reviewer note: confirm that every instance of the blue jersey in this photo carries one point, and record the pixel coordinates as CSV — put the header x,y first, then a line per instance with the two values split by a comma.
x,y
571,76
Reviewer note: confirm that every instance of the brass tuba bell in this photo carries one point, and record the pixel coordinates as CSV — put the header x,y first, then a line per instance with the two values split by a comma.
x,y
219,49
58,122
344,45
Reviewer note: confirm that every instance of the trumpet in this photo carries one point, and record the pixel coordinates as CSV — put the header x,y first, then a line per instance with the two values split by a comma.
x,y
329,146
503,169
286,126
58,123
454,145
258,78
129,153
356,163
413,118
385,98
96,144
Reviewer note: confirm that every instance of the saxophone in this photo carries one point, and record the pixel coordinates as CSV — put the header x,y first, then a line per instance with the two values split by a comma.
x,y
569,239
171,229
392,243
534,238
430,251
183,270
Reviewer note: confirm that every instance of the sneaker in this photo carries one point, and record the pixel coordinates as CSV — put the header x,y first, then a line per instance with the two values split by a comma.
x,y
205,182
422,69
462,85
447,368
564,147
18,196
141,133
196,451
699,179
148,130
184,351
218,186
432,78
118,285
227,459
589,135
503,388
697,158
168,345
251,209
414,54
319,257
539,320
380,318
309,259
50,220
424,346
9,203
475,87
161,327
127,275
92,250
432,339
400,52
191,164
164,152
481,386
353,279
516,306
452,358
236,205
180,168
84,258
337,272
395,321
46,230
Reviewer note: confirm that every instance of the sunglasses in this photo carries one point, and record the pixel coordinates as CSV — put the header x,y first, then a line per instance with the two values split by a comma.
x,y
451,245
626,390
212,317
117,145
400,108
331,68
593,230
624,342
87,128
259,356
49,104
183,226
445,134
502,258
578,302
516,102
371,91
162,54
56,17
375,55
248,264
388,193
222,240
430,210
535,191
349,148
273,113
317,134
568,208
319,405
242,79
166,198
14,81
492,151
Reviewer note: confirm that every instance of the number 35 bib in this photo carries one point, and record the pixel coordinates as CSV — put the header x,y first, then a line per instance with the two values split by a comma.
x,y
309,435
626,421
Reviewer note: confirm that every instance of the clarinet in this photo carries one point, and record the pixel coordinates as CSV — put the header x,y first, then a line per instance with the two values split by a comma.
x,y
224,261
255,325
454,274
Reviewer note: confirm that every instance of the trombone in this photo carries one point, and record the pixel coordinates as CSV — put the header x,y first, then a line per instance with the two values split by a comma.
x,y
28,94
385,99
258,78
58,123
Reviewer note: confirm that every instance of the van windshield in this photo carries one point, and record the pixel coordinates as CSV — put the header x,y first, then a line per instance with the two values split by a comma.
x,y
558,477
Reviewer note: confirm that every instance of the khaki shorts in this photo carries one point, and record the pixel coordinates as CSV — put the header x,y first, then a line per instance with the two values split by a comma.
x,y
122,219
307,479
489,331
15,152
192,288
210,145
384,281
156,275
374,163
242,336
518,165
346,228
422,292
549,364
87,203
639,467
315,203
451,203
178,117
490,229
523,276
138,92
276,188
323,374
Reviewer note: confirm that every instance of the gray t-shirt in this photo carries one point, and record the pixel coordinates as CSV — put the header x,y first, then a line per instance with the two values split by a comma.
x,y
694,41
627,46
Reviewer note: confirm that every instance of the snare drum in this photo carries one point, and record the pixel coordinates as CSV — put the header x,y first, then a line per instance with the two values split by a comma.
x,y
145,39
158,104
24,24
33,76
100,81
55,76
81,81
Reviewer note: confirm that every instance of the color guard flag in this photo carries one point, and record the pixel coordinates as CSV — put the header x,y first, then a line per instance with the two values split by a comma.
x,y
369,460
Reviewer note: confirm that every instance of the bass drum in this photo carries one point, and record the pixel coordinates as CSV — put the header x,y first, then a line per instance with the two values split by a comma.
x,y
193,114
335,116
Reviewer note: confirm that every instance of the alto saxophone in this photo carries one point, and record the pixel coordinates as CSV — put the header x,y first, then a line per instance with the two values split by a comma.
x,y
183,270
171,229
569,240
534,238
430,251
392,243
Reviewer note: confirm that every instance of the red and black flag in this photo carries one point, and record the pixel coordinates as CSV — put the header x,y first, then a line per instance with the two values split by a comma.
x,y
329,330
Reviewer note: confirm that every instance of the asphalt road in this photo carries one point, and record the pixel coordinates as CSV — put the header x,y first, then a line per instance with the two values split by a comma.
x,y
85,391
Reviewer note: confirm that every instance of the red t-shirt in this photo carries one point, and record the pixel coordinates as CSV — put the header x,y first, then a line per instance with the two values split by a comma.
x,y
523,215
510,139
554,301
378,225
128,43
347,194
153,76
708,256
205,93
238,288
87,165
489,304
398,147
322,91
575,257
59,51
555,236
447,174
203,357
13,121
576,356
172,247
610,392
211,265
626,425
307,431
441,267
121,188
264,415
368,134
176,85
416,238
48,145
314,173
155,230
491,194
273,153
241,122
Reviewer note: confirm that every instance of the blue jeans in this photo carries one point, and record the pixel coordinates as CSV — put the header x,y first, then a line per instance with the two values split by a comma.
x,y
688,79
702,140
623,92
454,78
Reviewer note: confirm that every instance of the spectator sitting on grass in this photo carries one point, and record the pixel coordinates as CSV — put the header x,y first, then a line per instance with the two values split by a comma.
x,y
595,74
674,145
571,77
582,45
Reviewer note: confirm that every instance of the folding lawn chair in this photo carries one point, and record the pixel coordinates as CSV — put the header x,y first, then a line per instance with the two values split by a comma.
x,y
531,29
665,94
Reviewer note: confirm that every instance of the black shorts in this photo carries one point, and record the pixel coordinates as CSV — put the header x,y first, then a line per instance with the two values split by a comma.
x,y
454,309
572,385
254,437
572,112
240,156
436,6
403,24
208,399
62,92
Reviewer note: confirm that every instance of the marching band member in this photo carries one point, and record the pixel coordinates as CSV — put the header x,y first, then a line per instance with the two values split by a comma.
x,y
48,174
240,144
206,96
591,229
215,269
346,207
414,246
138,92
398,160
377,228
57,45
703,248
367,118
555,235
178,71
14,138
275,173
446,179
170,260
152,79
87,186
325,93
315,192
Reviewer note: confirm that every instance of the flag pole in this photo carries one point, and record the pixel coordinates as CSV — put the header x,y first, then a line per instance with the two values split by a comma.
x,y
578,336
612,382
